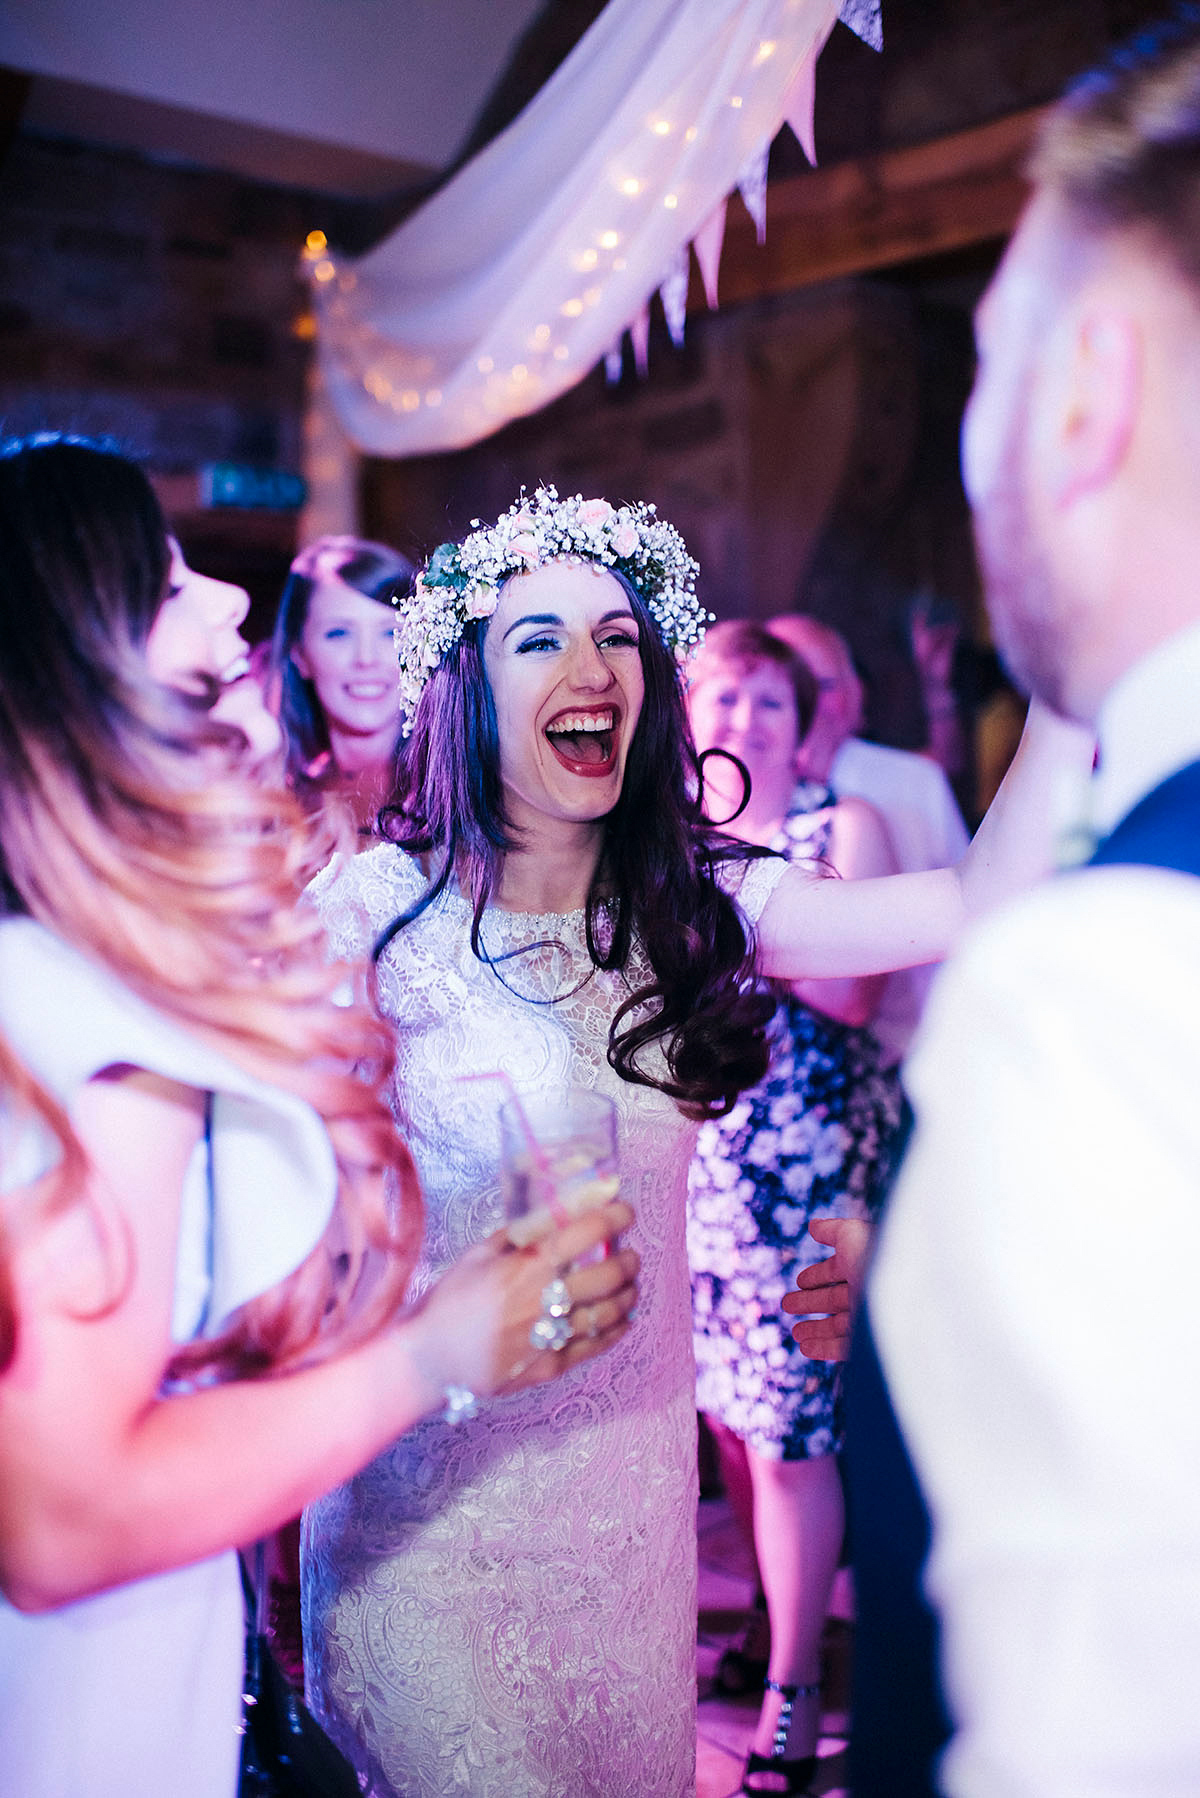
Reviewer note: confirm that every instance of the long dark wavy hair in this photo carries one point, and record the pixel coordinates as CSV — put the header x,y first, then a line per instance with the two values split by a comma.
x,y
656,881
371,569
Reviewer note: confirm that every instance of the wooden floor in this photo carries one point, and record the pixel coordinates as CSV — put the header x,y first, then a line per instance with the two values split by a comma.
x,y
725,1724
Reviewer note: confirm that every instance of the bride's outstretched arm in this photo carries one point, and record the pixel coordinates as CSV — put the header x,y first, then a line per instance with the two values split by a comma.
x,y
814,928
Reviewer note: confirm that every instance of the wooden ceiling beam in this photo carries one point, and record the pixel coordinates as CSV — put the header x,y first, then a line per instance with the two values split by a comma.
x,y
873,211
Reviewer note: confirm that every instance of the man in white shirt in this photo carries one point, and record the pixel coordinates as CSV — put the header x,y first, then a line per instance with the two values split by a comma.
x,y
1034,1296
910,791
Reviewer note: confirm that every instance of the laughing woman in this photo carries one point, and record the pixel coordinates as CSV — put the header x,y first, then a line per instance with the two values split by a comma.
x,y
509,1607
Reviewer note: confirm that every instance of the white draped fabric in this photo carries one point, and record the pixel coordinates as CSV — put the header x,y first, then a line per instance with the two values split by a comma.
x,y
518,275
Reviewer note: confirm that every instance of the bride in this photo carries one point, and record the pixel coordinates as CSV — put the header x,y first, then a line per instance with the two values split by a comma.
x,y
508,1606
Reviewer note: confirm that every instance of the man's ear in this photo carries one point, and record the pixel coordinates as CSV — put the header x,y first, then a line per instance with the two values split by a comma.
x,y
1094,403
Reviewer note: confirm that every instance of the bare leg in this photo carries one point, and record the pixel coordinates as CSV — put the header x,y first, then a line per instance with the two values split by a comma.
x,y
738,1483
798,1523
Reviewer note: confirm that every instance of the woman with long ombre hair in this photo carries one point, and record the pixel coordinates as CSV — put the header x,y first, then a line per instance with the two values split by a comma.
x,y
207,1218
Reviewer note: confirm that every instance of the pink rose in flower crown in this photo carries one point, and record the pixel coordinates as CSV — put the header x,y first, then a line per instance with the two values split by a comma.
x,y
625,541
480,601
593,512
523,521
524,548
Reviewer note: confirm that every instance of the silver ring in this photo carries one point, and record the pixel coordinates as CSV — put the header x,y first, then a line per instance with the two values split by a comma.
x,y
553,1329
556,1300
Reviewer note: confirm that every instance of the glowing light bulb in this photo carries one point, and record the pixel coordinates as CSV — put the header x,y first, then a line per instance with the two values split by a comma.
x,y
765,50
631,187
324,271
609,240
410,399
315,242
571,308
540,337
691,134
735,101
661,128
670,201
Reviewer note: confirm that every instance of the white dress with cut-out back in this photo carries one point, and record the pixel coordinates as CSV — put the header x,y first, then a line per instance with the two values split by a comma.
x,y
507,1606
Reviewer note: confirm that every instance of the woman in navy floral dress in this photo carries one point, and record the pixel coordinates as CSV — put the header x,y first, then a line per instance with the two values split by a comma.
x,y
814,1140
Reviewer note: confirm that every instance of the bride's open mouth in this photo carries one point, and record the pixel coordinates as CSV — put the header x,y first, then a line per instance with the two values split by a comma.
x,y
585,740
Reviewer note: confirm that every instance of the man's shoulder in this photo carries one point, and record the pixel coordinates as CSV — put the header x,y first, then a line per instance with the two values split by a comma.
x,y
1118,930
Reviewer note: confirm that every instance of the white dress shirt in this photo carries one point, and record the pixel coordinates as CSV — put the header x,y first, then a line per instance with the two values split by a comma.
x,y
926,828
1035,1303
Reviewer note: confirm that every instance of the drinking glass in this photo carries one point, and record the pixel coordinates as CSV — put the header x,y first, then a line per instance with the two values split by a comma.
x,y
558,1158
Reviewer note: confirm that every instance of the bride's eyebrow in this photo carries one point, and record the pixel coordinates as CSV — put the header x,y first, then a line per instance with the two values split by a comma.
x,y
532,618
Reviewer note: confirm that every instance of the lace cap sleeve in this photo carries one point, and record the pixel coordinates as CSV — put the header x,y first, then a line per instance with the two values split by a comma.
x,y
358,897
751,883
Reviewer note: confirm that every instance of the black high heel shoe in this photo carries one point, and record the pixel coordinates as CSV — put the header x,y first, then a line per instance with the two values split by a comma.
x,y
796,1774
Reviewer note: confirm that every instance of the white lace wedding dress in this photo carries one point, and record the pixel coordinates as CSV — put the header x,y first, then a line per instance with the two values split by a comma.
x,y
507,1606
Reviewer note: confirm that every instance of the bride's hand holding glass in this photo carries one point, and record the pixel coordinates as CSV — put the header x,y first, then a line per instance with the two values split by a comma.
x,y
474,1333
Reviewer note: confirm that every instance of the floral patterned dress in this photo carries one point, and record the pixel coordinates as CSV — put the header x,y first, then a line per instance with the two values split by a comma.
x,y
815,1139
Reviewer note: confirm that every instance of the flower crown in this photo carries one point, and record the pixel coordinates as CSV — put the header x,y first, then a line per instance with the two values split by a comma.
x,y
462,581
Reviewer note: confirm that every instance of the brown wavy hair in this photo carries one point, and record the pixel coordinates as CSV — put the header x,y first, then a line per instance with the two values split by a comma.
x,y
125,829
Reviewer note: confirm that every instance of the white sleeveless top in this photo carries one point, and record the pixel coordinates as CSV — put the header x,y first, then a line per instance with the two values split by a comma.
x,y
137,1691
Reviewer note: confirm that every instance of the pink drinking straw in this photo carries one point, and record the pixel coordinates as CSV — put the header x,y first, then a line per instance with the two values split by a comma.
x,y
540,1159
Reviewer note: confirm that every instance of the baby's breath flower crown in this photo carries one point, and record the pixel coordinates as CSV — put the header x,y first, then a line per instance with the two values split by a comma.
x,y
462,581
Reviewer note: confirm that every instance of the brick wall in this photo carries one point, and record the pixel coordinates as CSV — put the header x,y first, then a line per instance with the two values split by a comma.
x,y
159,304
